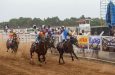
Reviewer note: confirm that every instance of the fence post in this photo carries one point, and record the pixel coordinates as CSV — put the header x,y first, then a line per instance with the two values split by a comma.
x,y
101,40
101,43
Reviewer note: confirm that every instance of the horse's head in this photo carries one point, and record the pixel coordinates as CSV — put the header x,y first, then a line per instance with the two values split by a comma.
x,y
47,39
52,39
74,41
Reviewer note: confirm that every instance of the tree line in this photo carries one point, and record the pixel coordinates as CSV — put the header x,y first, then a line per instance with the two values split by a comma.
x,y
54,21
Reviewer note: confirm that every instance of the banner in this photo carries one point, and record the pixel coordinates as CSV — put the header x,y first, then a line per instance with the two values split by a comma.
x,y
82,40
94,42
94,39
108,44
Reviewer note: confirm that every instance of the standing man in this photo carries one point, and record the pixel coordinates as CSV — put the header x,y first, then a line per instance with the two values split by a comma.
x,y
6,28
35,28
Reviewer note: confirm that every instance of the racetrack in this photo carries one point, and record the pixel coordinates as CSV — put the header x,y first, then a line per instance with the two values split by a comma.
x,y
19,64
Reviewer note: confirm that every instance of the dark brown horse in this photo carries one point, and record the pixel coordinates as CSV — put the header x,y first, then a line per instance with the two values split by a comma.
x,y
50,42
41,50
12,44
66,47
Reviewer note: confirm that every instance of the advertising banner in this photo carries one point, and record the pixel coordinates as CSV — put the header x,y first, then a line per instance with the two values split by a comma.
x,y
108,44
82,40
94,42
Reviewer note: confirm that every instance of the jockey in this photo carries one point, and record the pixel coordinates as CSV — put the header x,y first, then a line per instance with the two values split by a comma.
x,y
48,32
52,34
10,35
64,34
39,36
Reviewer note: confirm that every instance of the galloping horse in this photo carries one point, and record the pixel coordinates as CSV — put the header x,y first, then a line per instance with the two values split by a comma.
x,y
50,42
41,50
67,47
12,44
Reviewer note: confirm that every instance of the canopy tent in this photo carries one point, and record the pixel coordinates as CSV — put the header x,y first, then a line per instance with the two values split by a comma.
x,y
110,15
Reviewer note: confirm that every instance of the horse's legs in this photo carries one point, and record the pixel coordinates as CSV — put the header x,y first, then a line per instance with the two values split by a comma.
x,y
72,56
7,49
61,57
51,50
12,50
39,59
31,55
44,59
75,55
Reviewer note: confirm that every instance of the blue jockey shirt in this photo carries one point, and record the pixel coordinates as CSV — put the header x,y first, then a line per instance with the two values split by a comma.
x,y
64,34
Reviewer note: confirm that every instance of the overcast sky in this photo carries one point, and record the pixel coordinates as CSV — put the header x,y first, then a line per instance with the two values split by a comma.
x,y
48,8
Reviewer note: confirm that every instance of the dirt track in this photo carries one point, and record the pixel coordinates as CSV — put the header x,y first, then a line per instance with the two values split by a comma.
x,y
11,64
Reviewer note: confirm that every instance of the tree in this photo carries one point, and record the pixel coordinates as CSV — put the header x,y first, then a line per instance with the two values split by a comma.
x,y
82,17
95,22
37,21
54,21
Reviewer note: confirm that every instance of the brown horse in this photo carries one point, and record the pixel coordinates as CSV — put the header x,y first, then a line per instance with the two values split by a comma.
x,y
50,42
41,50
12,44
66,47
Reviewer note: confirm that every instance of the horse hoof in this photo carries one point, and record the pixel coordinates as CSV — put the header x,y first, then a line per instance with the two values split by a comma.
x,y
31,59
61,63
31,62
40,65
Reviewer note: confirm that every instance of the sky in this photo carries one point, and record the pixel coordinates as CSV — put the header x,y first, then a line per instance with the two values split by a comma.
x,y
48,8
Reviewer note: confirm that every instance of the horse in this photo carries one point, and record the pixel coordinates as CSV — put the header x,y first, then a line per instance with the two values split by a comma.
x,y
67,47
12,44
41,50
50,41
